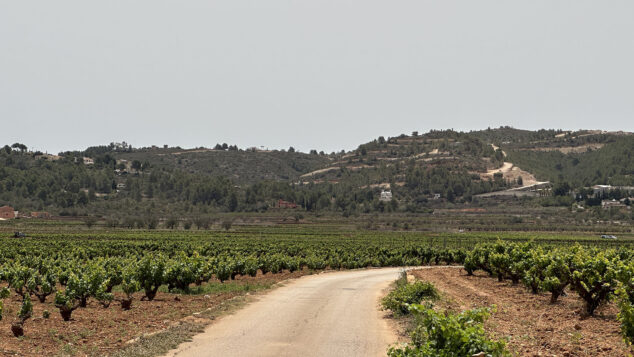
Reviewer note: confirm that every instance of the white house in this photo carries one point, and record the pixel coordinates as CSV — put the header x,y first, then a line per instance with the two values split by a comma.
x,y
386,196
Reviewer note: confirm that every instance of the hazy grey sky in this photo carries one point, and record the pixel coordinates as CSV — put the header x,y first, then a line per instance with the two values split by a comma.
x,y
324,74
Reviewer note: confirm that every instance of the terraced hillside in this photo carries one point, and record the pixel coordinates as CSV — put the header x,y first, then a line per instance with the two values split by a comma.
x,y
240,166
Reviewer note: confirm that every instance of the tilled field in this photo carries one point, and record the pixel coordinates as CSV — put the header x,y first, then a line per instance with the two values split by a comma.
x,y
532,325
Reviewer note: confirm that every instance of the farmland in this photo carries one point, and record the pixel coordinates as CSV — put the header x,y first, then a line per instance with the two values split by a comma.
x,y
99,282
150,279
556,300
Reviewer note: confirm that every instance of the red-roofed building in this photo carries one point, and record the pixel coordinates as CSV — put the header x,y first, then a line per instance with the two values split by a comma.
x,y
40,215
286,204
7,212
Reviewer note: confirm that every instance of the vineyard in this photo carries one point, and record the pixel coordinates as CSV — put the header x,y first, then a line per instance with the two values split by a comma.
x,y
58,273
49,277
597,276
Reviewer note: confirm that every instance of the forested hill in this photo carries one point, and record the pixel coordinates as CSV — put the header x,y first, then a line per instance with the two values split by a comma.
x,y
240,166
421,170
608,162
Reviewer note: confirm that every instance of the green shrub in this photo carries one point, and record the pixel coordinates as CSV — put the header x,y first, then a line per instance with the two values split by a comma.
x,y
150,274
594,278
25,313
398,300
449,335
536,264
557,275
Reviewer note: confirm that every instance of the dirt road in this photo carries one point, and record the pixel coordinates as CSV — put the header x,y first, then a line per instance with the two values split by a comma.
x,y
330,314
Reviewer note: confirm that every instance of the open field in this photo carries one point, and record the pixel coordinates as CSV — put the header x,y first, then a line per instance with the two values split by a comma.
x,y
196,270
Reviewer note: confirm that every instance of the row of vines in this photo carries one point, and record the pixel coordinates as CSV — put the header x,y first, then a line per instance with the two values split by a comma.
x,y
596,275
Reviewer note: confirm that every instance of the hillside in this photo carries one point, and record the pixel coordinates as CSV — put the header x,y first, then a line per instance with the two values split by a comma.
x,y
597,159
418,168
240,166
422,171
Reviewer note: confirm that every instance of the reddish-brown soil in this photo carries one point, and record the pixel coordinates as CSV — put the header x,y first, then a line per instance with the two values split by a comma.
x,y
96,330
532,326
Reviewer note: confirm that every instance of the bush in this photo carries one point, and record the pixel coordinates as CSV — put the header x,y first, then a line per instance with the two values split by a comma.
x,y
129,286
557,275
536,264
398,300
594,279
90,221
26,311
151,222
66,302
150,274
171,223
440,333
227,224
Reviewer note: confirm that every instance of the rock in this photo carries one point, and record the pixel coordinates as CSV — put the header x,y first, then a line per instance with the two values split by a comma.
x,y
577,327
207,297
176,298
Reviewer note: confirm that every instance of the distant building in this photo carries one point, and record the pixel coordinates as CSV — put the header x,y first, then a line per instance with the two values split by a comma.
x,y
120,186
386,196
436,196
45,215
47,157
286,204
612,203
7,212
600,190
88,161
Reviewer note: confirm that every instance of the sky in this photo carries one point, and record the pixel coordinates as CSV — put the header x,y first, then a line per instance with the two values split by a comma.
x,y
325,75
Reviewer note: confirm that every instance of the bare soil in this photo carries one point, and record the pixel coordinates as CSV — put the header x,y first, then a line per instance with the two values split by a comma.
x,y
532,326
98,331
